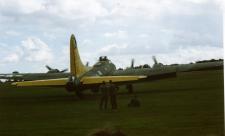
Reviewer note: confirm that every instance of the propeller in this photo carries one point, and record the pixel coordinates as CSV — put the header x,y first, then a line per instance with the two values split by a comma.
x,y
64,70
87,64
49,68
132,63
154,59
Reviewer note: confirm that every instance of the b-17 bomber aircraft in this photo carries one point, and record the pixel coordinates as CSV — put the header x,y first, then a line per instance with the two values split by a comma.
x,y
50,74
82,77
212,64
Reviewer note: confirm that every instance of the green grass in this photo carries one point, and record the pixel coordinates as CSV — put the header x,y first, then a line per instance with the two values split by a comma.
x,y
190,105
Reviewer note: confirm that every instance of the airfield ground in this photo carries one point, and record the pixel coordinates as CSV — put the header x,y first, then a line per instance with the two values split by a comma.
x,y
190,105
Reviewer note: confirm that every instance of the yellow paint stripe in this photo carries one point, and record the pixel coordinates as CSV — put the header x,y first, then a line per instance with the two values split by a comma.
x,y
50,82
100,79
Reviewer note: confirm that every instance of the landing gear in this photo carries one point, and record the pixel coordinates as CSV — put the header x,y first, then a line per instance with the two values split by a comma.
x,y
71,88
130,88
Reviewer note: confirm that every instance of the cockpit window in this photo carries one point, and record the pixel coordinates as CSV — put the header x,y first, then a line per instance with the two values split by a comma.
x,y
99,73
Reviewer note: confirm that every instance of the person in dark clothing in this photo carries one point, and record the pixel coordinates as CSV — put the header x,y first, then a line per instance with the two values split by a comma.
x,y
113,95
104,96
134,102
130,88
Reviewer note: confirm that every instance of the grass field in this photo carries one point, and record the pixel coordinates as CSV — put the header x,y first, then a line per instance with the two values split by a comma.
x,y
190,105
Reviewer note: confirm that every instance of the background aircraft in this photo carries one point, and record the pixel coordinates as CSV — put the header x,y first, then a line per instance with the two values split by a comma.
x,y
159,67
50,74
82,77
51,70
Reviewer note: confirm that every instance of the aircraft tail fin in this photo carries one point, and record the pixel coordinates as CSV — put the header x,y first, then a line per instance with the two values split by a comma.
x,y
76,66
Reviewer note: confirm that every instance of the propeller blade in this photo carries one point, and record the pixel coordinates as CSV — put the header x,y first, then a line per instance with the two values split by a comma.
x,y
49,68
64,70
132,63
154,59
87,64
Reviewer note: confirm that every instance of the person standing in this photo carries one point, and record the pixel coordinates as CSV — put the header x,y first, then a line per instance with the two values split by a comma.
x,y
113,95
104,96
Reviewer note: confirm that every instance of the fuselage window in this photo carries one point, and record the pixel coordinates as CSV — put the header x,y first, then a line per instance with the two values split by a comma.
x,y
99,73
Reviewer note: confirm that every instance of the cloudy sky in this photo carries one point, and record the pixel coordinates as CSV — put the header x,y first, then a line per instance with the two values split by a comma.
x,y
36,32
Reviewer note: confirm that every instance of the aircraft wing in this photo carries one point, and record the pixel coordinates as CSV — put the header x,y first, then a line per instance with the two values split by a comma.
x,y
84,81
5,77
121,80
94,80
10,75
114,79
49,82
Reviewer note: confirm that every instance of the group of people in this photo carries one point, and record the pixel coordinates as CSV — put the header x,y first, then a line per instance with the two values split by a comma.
x,y
108,92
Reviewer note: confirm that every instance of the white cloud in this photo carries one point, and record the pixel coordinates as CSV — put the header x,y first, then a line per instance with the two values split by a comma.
x,y
32,49
167,28
191,54
125,8
20,6
49,36
143,35
93,9
179,56
113,48
9,54
11,58
12,33
36,50
198,1
153,9
118,34
66,9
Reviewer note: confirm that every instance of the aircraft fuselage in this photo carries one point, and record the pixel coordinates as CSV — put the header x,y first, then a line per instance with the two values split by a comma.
x,y
101,68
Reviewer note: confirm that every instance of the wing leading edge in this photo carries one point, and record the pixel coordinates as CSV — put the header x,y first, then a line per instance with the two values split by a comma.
x,y
91,80
114,79
49,82
94,80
